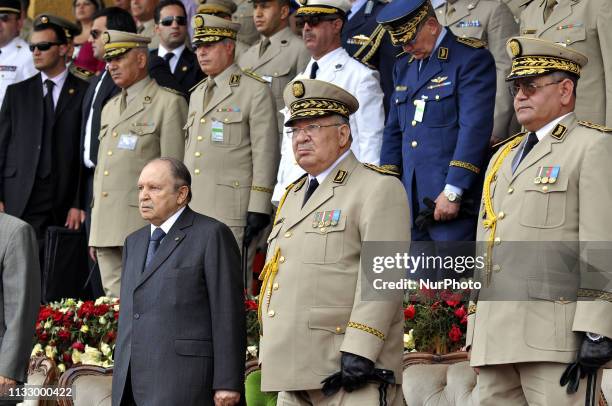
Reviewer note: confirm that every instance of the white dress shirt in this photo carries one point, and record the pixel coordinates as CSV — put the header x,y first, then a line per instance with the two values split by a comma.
x,y
59,84
87,141
167,225
161,52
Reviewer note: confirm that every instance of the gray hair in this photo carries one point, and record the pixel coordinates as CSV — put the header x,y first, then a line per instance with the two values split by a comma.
x,y
179,173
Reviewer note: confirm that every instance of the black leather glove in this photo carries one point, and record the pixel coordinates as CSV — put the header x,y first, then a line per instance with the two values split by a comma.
x,y
592,355
356,370
255,223
425,218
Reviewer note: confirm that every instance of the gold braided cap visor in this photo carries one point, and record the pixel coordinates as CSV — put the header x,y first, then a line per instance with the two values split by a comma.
x,y
213,9
313,10
533,65
212,34
10,10
316,107
115,49
404,30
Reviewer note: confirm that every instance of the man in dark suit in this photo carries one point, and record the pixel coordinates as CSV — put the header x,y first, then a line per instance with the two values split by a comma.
x,y
40,120
181,337
378,54
171,28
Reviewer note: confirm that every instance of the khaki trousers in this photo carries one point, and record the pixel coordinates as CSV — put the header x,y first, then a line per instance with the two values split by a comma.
x,y
109,261
528,383
370,395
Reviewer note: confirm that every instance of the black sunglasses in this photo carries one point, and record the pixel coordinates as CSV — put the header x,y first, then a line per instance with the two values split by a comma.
x,y
95,33
43,46
5,17
313,21
167,21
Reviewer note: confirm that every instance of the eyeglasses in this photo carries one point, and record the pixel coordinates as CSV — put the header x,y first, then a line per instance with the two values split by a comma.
x,y
43,46
310,129
95,33
6,17
528,89
313,21
167,21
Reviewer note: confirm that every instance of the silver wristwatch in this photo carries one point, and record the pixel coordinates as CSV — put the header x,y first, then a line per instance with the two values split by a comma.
x,y
594,337
452,196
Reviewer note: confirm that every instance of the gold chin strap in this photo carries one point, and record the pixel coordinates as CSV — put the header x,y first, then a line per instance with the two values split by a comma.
x,y
490,221
270,269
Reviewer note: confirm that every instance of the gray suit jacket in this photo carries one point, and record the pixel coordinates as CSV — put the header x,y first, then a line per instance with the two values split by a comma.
x,y
182,326
19,295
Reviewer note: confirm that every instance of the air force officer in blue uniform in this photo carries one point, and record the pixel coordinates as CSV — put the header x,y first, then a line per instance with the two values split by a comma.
x,y
440,119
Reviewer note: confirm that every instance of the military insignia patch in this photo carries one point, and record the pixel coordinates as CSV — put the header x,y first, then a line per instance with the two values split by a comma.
x,y
559,132
401,88
471,42
439,79
328,218
340,176
515,47
594,126
298,89
234,80
198,21
443,53
70,91
359,40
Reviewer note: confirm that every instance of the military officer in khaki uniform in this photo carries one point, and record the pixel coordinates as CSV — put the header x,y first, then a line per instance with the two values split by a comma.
x,y
280,54
143,122
314,320
516,7
244,16
583,25
224,9
548,186
231,148
492,22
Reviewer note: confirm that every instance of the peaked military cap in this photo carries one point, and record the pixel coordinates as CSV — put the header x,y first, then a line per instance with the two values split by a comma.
x,y
308,98
117,43
402,18
214,7
209,28
70,29
10,6
534,56
322,7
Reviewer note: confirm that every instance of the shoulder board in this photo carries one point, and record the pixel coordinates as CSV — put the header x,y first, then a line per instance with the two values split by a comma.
x,y
471,42
386,170
298,183
499,144
401,54
595,126
197,84
255,76
169,89
81,73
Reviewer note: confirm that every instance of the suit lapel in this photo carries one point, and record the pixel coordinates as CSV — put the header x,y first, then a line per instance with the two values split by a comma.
x,y
272,51
138,104
69,91
353,25
560,13
432,68
184,65
222,92
173,239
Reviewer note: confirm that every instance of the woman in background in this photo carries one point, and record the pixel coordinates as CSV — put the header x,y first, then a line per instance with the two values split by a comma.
x,y
84,11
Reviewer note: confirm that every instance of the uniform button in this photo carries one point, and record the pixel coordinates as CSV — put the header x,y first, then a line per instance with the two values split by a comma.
x,y
510,190
198,154
496,268
105,173
414,144
104,194
396,101
544,188
115,133
497,240
437,97
282,259
275,73
200,138
338,329
501,215
275,286
236,183
196,171
202,120
288,234
271,313
109,153
136,316
413,123
323,229
225,120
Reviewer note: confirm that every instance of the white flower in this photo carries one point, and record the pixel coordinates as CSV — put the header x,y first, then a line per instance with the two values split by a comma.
x,y
252,350
36,350
102,320
91,356
50,351
48,324
61,367
409,340
106,349
84,328
107,363
116,307
70,302
102,300
76,356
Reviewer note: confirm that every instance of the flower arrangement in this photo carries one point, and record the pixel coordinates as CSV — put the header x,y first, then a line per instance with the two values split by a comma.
x,y
75,332
252,324
435,322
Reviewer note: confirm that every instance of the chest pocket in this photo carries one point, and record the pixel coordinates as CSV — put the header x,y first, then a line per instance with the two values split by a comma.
x,y
469,31
400,99
441,106
324,245
280,78
568,36
142,129
232,129
544,205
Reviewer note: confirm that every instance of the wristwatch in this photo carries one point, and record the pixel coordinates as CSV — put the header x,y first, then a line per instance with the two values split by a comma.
x,y
594,337
452,196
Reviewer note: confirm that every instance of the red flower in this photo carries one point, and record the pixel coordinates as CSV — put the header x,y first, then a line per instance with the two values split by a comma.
x,y
460,312
43,337
453,303
101,310
86,309
64,334
464,320
409,312
435,305
57,316
455,333
429,293
116,316
111,335
67,357
44,313
77,345
250,305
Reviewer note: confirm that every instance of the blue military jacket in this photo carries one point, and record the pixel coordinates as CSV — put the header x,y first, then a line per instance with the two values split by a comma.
x,y
449,143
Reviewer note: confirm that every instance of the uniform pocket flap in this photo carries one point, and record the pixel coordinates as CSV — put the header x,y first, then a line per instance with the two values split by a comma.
x,y
571,33
189,121
558,287
275,231
233,182
333,319
198,348
560,185
142,129
400,97
227,117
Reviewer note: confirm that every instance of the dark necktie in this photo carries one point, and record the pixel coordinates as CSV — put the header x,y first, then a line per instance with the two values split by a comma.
x,y
532,140
44,164
313,70
167,58
312,186
265,43
154,242
423,65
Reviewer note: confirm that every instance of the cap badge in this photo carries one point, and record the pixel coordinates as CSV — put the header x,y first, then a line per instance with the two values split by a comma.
x,y
298,89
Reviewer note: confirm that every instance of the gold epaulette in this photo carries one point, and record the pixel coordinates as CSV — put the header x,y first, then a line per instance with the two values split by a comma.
x,y
171,90
472,42
595,126
385,169
499,144
197,84
81,73
254,75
